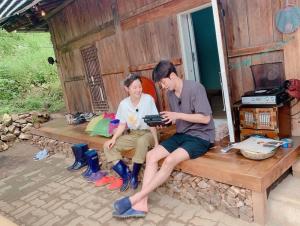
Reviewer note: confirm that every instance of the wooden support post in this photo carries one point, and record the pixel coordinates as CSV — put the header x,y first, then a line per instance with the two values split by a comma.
x,y
259,200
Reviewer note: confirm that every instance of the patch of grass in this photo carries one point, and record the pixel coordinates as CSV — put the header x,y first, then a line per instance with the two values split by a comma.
x,y
27,81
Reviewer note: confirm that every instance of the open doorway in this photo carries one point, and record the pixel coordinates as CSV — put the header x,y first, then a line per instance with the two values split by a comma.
x,y
208,59
204,61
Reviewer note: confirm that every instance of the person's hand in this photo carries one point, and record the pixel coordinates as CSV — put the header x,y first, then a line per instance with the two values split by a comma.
x,y
169,116
110,143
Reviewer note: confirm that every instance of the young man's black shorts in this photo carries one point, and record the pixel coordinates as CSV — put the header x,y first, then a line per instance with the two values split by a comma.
x,y
194,146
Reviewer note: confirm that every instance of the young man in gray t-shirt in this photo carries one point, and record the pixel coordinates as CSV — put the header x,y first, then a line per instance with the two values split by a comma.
x,y
195,132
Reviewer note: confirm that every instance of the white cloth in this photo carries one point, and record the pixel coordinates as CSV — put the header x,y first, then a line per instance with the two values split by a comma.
x,y
133,116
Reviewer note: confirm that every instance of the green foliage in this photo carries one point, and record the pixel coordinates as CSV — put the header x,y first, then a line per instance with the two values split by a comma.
x,y
27,81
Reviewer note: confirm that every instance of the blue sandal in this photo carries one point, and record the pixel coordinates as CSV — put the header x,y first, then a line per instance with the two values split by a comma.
x,y
130,213
122,205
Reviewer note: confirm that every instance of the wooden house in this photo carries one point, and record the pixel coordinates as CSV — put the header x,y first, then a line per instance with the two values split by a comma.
x,y
98,42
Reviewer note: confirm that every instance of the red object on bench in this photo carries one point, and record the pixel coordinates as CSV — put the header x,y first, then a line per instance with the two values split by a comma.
x,y
149,88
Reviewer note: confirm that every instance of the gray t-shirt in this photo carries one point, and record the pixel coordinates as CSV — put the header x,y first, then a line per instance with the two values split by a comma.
x,y
193,100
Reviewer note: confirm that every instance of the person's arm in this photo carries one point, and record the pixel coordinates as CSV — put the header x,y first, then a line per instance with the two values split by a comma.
x,y
120,129
154,134
194,118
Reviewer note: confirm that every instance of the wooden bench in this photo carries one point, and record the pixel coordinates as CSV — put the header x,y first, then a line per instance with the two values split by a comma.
x,y
229,168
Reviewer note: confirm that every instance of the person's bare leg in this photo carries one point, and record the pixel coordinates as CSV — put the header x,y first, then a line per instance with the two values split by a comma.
x,y
137,200
151,168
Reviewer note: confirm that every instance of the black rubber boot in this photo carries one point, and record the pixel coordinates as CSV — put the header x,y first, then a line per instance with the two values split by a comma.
x,y
79,154
124,172
134,181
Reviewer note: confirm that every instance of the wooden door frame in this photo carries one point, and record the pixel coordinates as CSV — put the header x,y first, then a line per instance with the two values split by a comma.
x,y
221,55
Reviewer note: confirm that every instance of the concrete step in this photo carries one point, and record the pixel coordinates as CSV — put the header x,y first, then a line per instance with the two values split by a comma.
x,y
284,203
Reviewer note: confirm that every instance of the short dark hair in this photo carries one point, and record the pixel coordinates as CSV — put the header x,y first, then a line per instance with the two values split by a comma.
x,y
163,70
131,78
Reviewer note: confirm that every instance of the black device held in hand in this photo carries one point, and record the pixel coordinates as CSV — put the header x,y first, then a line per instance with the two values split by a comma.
x,y
155,120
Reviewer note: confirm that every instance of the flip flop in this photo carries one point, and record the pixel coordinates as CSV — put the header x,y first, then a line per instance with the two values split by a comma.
x,y
96,176
104,181
116,184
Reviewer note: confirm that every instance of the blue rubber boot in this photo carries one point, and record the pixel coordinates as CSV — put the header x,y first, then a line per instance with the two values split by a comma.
x,y
89,154
134,181
93,162
79,154
124,172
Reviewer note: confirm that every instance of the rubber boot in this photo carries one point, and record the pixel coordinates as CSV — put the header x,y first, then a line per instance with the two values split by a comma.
x,y
134,181
93,162
89,154
124,172
79,154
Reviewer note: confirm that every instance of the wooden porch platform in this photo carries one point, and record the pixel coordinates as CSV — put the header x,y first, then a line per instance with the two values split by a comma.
x,y
230,168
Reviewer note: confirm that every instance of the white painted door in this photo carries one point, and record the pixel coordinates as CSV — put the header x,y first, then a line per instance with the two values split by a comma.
x,y
223,67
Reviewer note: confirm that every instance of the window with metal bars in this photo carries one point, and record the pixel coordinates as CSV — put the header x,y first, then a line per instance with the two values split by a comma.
x,y
95,82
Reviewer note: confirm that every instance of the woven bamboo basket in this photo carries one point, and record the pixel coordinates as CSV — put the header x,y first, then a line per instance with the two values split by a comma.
x,y
257,156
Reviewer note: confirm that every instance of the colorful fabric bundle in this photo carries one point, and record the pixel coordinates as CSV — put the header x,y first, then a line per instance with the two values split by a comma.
x,y
102,125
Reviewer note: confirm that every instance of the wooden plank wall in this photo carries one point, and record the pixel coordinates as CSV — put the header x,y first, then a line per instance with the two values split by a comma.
x,y
251,39
145,31
144,44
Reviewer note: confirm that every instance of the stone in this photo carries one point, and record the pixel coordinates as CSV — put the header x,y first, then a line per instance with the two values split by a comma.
x,y
3,146
202,184
23,116
21,121
11,128
24,136
17,132
233,191
179,176
7,120
240,204
8,137
2,127
248,202
14,117
27,128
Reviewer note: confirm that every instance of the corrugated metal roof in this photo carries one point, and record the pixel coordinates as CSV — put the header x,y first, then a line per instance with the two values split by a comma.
x,y
26,14
11,7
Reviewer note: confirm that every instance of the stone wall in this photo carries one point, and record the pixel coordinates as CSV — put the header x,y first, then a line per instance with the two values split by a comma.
x,y
17,127
210,194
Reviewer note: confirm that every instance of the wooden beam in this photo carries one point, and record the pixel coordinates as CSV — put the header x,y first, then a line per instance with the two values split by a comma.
x,y
255,50
145,8
112,73
75,78
164,10
146,67
57,9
